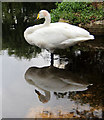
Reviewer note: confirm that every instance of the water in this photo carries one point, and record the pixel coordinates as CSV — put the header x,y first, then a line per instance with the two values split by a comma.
x,y
72,88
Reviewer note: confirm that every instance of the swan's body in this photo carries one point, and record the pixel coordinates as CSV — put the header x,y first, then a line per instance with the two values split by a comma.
x,y
55,35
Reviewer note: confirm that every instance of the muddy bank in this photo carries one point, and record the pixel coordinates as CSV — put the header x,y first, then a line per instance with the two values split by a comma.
x,y
96,28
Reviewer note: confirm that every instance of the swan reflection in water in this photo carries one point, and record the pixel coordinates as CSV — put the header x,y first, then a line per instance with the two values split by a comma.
x,y
52,79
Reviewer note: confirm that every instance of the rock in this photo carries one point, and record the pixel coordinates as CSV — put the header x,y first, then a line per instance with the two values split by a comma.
x,y
63,20
99,22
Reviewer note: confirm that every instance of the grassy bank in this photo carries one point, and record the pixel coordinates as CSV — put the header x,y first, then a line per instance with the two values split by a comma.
x,y
78,12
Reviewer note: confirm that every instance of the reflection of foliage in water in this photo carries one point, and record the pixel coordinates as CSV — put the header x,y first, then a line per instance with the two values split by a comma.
x,y
91,96
89,65
16,18
76,113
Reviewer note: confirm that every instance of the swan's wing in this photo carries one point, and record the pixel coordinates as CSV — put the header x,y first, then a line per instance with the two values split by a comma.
x,y
48,36
72,31
58,34
61,31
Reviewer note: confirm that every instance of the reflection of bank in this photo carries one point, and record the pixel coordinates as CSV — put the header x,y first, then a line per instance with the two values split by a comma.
x,y
54,79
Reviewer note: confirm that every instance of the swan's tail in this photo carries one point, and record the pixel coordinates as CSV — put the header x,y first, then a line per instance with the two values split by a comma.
x,y
91,36
85,38
73,41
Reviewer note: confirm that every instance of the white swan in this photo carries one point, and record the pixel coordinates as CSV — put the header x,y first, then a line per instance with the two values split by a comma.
x,y
55,35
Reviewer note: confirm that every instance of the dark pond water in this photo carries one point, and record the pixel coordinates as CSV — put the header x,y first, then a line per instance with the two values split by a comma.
x,y
72,88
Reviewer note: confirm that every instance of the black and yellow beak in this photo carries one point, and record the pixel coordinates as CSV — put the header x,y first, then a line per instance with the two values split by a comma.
x,y
38,16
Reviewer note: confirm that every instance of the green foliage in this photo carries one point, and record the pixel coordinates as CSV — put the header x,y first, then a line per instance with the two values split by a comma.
x,y
77,12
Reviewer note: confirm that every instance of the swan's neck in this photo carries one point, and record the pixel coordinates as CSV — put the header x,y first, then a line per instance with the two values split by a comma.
x,y
28,31
47,20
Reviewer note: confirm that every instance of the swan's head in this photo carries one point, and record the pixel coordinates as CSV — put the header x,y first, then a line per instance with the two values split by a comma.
x,y
43,14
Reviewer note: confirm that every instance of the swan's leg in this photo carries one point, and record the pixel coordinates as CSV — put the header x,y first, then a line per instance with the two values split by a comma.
x,y
52,59
71,48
